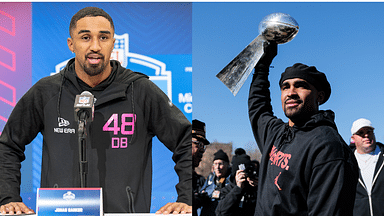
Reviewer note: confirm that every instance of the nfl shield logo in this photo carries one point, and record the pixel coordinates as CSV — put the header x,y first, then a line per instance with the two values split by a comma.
x,y
121,49
84,100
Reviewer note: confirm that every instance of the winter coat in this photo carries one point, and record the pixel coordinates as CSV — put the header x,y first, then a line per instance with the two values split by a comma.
x,y
236,201
371,204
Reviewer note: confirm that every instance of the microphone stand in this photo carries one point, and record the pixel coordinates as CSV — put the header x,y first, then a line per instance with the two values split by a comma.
x,y
82,149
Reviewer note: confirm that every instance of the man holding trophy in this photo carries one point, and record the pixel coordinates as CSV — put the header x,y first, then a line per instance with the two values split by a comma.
x,y
306,168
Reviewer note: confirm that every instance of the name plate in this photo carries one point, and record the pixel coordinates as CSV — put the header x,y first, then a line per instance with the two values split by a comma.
x,y
69,201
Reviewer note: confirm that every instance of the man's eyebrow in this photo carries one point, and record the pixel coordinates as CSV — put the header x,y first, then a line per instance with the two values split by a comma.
x,y
285,84
105,32
87,31
83,31
301,81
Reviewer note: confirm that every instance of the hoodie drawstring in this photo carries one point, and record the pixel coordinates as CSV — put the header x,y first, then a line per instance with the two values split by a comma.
x,y
287,136
59,97
133,111
131,207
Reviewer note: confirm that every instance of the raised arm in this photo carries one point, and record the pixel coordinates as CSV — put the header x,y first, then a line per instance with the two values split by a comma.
x,y
259,101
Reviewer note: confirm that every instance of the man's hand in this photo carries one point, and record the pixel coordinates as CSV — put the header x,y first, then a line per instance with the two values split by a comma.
x,y
270,51
241,178
15,208
175,208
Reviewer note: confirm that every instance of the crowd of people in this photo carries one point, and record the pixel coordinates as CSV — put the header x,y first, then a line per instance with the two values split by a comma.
x,y
306,167
231,187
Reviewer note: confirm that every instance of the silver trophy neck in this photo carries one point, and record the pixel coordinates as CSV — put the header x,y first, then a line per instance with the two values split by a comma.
x,y
279,27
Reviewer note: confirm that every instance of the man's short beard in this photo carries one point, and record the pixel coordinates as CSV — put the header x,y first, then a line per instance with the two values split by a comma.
x,y
293,115
301,115
94,71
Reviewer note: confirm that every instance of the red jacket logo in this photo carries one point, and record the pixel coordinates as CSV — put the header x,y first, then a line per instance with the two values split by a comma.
x,y
279,158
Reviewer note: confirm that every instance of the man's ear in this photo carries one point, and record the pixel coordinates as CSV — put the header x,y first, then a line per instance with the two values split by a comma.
x,y
114,40
320,97
70,44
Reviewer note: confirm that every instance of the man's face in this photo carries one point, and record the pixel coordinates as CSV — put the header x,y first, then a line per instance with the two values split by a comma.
x,y
299,99
198,150
220,167
92,41
365,140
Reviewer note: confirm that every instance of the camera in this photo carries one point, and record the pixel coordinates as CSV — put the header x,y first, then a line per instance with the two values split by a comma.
x,y
251,171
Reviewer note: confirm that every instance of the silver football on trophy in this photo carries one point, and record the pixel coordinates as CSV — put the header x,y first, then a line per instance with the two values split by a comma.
x,y
279,27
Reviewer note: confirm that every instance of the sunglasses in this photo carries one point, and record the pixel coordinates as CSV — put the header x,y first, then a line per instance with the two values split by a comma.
x,y
363,132
199,144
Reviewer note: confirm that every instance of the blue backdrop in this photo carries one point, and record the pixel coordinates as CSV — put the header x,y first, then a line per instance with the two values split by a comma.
x,y
152,38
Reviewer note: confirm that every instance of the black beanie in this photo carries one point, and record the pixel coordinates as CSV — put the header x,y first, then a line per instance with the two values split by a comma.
x,y
309,74
221,155
237,160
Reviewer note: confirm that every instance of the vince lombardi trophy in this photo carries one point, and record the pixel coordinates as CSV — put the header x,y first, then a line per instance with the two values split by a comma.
x,y
278,27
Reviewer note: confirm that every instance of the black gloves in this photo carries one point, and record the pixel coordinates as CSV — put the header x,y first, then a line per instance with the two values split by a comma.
x,y
270,51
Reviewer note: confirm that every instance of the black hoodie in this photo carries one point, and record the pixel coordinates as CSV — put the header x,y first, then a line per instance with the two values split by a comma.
x,y
129,111
306,170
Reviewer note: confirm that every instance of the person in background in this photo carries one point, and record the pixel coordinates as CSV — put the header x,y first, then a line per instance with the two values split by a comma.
x,y
369,155
199,142
215,182
240,195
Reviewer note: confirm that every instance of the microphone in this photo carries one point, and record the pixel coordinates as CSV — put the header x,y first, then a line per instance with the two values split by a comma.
x,y
84,107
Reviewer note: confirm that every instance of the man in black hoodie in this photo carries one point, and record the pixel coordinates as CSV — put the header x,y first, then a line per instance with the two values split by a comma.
x,y
129,111
306,168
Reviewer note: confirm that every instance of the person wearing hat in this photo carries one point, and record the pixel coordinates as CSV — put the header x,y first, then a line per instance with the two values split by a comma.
x,y
369,155
240,195
199,142
216,180
306,168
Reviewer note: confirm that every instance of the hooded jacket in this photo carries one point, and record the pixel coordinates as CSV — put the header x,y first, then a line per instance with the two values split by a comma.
x,y
129,111
306,170
233,199
371,204
236,201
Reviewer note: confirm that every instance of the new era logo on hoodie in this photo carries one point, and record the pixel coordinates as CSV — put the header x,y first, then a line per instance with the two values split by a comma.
x,y
63,123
